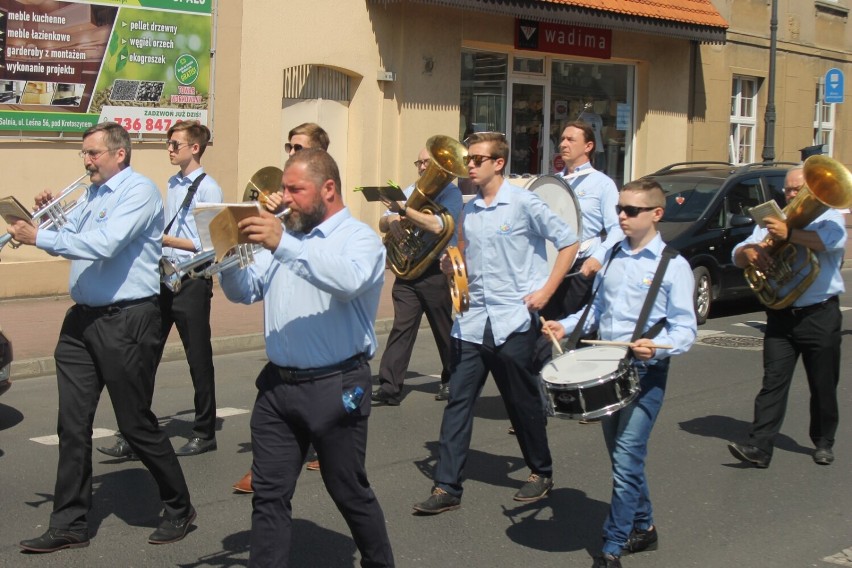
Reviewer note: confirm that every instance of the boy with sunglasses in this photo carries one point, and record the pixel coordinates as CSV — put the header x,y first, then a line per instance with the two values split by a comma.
x,y
504,228
188,310
624,285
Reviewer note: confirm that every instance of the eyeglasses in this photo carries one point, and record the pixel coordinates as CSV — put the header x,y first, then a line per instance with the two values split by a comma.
x,y
93,154
477,159
420,163
631,210
293,147
174,145
793,189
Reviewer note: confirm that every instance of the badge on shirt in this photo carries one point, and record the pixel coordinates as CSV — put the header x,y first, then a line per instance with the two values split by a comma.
x,y
504,229
647,279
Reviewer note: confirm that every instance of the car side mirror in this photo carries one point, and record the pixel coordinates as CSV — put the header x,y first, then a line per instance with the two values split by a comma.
x,y
738,221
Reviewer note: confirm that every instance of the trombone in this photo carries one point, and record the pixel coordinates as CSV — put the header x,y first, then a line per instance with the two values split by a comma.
x,y
54,213
264,182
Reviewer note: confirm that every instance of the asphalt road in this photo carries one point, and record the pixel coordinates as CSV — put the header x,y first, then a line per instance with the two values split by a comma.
x,y
710,510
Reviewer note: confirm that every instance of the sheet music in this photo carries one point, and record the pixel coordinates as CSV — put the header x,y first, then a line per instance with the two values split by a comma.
x,y
217,224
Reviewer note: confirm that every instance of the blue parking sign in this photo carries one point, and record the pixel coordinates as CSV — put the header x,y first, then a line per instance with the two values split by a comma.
x,y
833,86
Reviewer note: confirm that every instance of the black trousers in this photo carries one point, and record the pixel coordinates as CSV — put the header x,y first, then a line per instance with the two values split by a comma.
x,y
511,366
814,333
189,311
287,417
429,294
116,348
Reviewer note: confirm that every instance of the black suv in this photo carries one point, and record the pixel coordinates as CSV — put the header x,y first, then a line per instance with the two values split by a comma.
x,y
707,206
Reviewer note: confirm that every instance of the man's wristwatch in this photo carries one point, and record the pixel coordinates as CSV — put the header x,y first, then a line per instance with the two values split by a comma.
x,y
402,211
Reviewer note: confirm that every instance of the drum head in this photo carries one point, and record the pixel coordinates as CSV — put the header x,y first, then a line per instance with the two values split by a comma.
x,y
559,196
589,364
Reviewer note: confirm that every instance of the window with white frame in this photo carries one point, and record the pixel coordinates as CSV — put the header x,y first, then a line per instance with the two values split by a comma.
x,y
743,119
823,123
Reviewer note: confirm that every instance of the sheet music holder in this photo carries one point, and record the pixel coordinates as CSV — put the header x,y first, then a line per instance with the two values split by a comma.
x,y
12,209
377,193
765,210
217,225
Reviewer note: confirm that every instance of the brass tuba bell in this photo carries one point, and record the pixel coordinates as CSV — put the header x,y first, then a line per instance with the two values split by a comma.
x,y
409,256
828,184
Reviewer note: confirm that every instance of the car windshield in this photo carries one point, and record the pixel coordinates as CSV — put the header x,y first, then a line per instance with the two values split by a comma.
x,y
686,199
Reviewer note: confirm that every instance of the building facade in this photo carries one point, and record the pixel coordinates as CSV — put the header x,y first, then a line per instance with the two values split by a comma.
x,y
661,82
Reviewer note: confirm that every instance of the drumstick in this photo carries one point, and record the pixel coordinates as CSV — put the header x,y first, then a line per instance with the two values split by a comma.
x,y
623,344
551,336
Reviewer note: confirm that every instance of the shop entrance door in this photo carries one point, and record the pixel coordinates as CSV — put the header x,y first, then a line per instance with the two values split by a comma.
x,y
527,129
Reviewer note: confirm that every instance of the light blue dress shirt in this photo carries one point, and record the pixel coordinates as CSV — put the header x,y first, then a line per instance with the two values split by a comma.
x,y
616,307
320,290
506,259
598,197
450,198
184,226
831,228
114,240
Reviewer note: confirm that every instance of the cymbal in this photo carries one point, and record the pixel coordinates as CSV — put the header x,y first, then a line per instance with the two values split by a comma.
x,y
265,181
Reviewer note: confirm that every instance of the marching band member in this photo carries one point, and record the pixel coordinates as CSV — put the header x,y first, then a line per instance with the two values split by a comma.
x,y
110,336
320,281
614,313
504,232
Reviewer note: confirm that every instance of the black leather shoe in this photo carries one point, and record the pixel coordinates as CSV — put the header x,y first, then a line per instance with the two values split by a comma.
x,y
172,530
120,450
640,540
196,446
443,392
56,539
607,561
750,454
823,456
380,396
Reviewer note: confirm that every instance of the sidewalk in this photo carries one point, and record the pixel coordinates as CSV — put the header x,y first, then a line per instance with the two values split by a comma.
x,y
33,324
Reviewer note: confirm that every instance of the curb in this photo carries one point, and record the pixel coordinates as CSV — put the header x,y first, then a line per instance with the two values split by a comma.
x,y
46,366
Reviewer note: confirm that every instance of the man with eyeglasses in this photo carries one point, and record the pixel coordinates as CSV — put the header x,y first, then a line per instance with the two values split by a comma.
x,y
504,228
110,337
810,327
188,310
427,293
306,135
615,311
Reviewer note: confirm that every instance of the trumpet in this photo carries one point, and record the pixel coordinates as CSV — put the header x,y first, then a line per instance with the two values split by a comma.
x,y
54,213
203,264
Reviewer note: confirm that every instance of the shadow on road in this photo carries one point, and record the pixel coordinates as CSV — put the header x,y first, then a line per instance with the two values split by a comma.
x,y
483,467
733,430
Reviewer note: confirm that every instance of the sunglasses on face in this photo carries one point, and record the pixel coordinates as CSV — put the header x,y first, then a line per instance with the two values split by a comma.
x,y
293,147
174,145
477,159
631,210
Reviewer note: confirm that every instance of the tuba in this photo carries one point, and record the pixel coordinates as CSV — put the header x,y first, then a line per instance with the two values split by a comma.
x,y
828,184
409,256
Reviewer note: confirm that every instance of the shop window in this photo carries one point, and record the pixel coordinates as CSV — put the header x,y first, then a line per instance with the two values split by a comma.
x,y
823,123
483,92
743,120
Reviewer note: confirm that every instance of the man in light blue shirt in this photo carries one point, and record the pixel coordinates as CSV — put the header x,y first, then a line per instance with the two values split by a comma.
x,y
810,327
615,311
504,233
597,196
320,281
110,337
427,292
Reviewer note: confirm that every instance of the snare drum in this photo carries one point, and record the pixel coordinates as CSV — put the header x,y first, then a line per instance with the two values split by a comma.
x,y
590,382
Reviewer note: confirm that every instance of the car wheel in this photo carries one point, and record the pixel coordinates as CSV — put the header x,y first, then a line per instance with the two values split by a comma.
x,y
703,293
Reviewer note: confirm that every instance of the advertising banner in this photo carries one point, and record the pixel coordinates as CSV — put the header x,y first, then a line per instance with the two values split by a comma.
x,y
68,64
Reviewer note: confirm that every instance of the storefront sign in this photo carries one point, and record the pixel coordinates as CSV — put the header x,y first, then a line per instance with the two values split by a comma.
x,y
563,39
66,65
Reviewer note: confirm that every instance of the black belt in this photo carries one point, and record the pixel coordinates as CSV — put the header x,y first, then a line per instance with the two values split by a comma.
x,y
805,310
294,375
117,307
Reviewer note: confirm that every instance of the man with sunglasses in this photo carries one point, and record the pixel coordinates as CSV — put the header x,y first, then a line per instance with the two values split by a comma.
x,y
427,293
504,228
624,286
110,337
306,135
810,327
188,310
